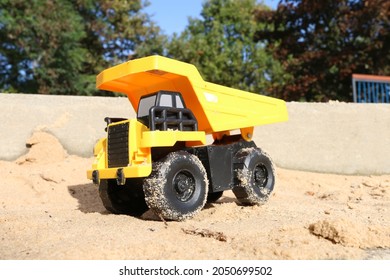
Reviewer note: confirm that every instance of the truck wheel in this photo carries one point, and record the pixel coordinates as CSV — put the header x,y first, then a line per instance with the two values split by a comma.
x,y
254,176
177,186
127,199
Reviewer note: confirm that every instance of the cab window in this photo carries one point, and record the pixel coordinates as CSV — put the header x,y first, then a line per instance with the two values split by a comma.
x,y
179,102
166,100
145,104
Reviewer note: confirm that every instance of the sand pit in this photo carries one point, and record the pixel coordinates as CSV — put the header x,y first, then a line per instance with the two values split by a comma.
x,y
49,210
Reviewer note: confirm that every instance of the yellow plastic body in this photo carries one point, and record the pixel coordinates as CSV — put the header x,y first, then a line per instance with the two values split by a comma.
x,y
218,110
141,140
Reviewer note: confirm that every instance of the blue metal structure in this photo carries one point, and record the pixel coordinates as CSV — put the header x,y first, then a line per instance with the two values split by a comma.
x,y
371,89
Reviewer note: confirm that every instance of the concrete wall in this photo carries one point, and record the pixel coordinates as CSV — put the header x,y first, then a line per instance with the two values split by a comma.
x,y
345,138
334,137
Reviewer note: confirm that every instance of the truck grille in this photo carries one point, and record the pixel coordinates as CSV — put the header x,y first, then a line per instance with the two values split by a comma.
x,y
118,145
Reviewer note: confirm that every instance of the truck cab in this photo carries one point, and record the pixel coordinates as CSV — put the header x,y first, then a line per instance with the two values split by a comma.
x,y
166,110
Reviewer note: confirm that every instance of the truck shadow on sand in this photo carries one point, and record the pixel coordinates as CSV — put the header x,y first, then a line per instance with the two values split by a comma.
x,y
88,199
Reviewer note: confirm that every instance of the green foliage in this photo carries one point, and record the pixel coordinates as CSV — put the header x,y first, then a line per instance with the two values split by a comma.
x,y
58,47
118,30
35,43
322,43
221,45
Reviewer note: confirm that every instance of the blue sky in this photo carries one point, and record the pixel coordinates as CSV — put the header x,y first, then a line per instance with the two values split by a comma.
x,y
172,15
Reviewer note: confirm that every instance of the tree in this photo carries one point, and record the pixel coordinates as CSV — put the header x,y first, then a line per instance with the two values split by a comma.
x,y
221,45
323,42
118,29
39,48
58,47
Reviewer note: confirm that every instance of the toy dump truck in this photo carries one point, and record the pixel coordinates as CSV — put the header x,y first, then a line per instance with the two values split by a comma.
x,y
161,159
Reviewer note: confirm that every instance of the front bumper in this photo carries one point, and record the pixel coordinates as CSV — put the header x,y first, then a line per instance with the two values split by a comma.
x,y
119,173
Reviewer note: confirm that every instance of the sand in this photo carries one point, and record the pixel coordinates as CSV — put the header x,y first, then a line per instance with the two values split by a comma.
x,y
50,210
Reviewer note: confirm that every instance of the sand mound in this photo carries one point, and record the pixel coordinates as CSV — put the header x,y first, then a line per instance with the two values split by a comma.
x,y
43,148
351,233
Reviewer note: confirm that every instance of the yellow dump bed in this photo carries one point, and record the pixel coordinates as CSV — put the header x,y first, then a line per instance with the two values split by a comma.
x,y
217,108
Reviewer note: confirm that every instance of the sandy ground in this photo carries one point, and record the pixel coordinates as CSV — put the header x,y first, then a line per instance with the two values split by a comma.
x,y
49,210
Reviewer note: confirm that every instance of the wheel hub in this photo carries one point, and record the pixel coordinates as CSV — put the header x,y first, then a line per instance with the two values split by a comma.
x,y
260,176
184,185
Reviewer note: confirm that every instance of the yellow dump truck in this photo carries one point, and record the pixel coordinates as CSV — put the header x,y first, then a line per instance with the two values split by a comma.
x,y
161,160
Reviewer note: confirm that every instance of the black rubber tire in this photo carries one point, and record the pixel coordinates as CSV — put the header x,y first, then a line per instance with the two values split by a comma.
x,y
213,197
177,188
254,176
127,199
